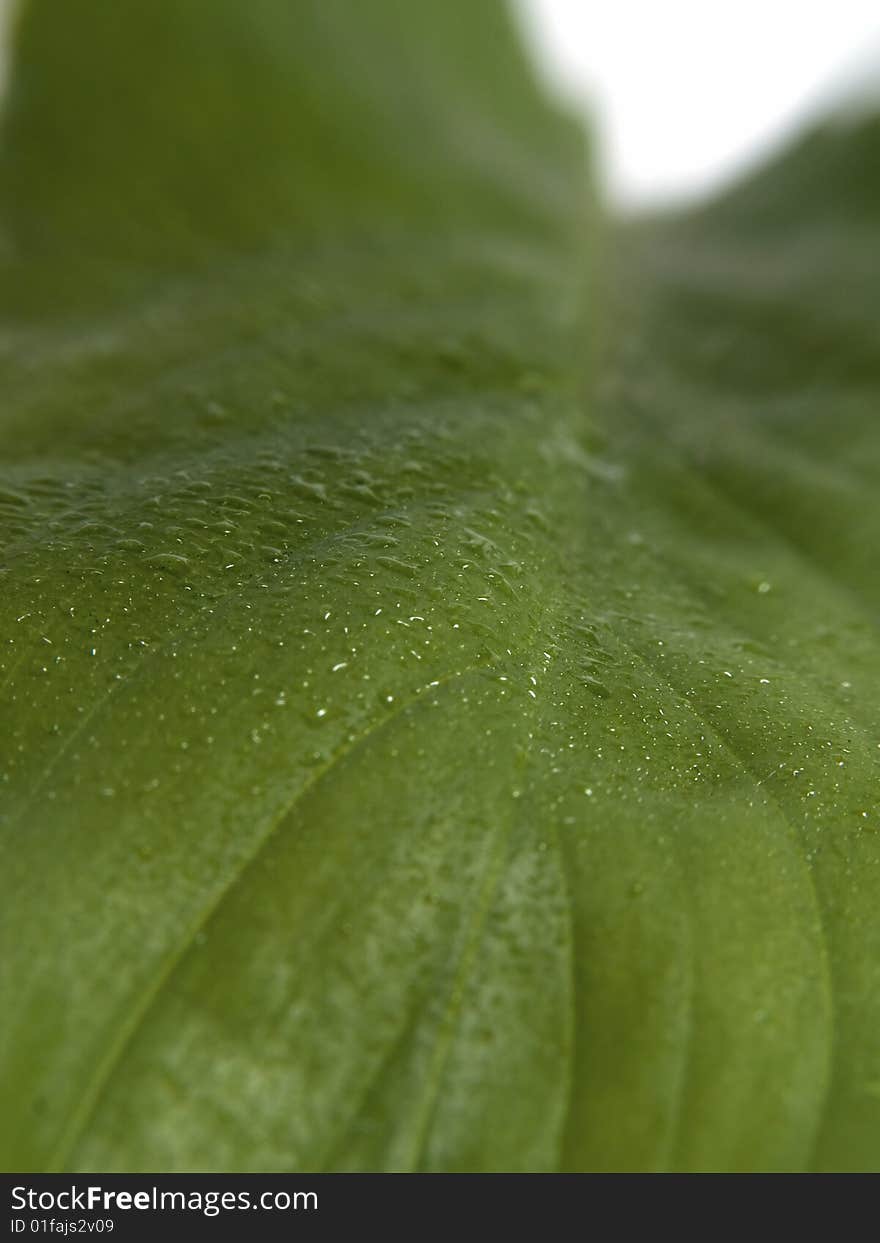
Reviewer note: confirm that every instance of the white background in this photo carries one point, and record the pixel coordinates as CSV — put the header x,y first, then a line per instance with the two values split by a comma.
x,y
686,92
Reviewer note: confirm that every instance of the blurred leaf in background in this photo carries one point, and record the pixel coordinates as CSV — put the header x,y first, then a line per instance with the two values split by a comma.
x,y
439,661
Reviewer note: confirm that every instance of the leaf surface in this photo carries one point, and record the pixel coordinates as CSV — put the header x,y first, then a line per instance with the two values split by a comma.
x,y
440,665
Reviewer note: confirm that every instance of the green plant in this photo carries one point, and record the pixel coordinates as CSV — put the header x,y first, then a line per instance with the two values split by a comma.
x,y
440,658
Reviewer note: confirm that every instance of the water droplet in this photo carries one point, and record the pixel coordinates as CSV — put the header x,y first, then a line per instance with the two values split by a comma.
x,y
170,561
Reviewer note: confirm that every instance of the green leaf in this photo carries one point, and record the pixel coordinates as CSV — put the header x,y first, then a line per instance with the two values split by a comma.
x,y
439,678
